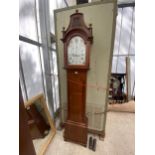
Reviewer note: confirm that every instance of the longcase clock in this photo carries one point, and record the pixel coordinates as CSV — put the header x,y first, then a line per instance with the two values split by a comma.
x,y
77,39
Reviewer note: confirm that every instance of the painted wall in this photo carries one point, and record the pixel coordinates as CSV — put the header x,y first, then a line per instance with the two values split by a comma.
x,y
102,16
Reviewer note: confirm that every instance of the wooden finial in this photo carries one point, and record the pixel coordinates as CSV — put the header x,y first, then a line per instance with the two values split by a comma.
x,y
90,25
76,10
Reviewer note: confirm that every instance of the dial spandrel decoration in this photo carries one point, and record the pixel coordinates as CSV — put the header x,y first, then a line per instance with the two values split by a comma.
x,y
76,51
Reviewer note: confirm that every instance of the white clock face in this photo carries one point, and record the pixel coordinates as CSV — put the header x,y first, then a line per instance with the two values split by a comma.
x,y
76,51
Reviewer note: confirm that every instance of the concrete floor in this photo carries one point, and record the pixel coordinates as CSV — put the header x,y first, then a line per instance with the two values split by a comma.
x,y
119,139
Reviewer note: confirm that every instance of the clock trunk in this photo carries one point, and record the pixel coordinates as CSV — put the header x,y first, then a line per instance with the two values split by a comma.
x,y
76,120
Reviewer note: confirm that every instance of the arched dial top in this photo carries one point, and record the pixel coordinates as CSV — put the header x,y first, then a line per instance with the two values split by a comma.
x,y
76,51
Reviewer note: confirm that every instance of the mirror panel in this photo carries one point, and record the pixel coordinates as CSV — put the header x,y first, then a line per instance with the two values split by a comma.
x,y
41,126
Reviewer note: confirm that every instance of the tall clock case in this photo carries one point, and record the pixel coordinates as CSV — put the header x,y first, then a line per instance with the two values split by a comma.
x,y
77,39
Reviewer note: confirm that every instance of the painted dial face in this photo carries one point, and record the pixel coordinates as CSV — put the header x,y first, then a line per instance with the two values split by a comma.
x,y
76,51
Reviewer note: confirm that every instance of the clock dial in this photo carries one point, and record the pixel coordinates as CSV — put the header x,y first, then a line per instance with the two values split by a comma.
x,y
76,51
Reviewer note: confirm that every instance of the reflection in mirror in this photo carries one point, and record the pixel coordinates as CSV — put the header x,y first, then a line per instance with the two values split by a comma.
x,y
40,123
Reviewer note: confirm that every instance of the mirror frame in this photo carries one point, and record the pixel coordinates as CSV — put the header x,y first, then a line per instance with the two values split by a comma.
x,y
41,98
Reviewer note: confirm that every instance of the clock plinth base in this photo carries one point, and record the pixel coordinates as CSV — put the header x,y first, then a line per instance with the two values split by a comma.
x,y
76,132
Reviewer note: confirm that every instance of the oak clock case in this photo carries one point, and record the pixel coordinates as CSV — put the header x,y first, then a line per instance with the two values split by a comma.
x,y
77,40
